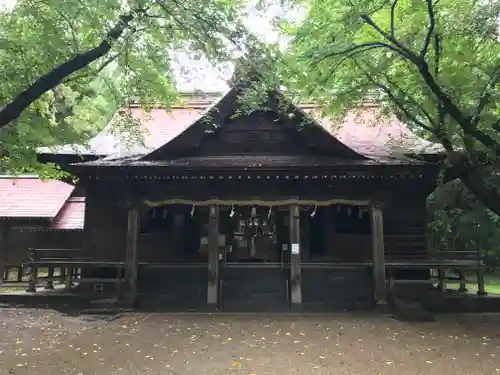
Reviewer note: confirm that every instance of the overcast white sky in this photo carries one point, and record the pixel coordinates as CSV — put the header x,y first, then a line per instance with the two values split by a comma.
x,y
203,76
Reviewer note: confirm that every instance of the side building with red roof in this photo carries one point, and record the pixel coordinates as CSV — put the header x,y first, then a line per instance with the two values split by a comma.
x,y
37,214
221,207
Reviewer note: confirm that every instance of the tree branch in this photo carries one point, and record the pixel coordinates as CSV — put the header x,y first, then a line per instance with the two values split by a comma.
x,y
354,50
485,97
53,78
393,10
430,31
462,120
96,71
441,114
448,105
496,125
400,103
476,181
404,51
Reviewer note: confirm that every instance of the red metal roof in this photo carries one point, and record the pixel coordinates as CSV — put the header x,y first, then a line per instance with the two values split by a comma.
x,y
363,130
71,216
367,132
30,197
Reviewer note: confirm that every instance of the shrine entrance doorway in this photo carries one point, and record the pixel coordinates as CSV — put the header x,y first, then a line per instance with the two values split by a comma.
x,y
254,266
252,236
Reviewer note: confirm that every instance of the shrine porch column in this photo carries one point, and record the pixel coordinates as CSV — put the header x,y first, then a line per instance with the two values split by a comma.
x,y
131,259
213,256
378,253
295,274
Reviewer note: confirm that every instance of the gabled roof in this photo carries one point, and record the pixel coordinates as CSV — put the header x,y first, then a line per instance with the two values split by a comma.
x,y
312,133
363,134
30,197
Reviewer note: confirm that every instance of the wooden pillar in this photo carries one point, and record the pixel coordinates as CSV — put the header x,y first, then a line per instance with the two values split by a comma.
x,y
462,287
33,272
50,281
131,255
213,256
3,249
481,290
441,277
295,274
68,280
378,253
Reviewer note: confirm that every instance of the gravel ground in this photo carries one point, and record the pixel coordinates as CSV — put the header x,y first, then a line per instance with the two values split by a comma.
x,y
47,342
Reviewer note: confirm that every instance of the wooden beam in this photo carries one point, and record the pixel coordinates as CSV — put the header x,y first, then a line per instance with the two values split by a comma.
x,y
131,255
213,256
378,253
295,274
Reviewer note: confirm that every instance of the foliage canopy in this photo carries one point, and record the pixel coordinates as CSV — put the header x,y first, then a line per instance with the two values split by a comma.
x,y
435,63
67,65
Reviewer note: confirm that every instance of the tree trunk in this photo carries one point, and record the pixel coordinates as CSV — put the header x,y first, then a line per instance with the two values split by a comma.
x,y
475,178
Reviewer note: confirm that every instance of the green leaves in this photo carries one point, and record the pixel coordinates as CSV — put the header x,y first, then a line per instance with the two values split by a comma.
x,y
37,36
349,48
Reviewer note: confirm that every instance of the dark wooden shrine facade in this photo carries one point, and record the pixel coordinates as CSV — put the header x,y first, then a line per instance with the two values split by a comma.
x,y
253,209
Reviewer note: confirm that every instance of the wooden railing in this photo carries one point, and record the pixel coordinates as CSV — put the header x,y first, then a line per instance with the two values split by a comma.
x,y
70,263
442,261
